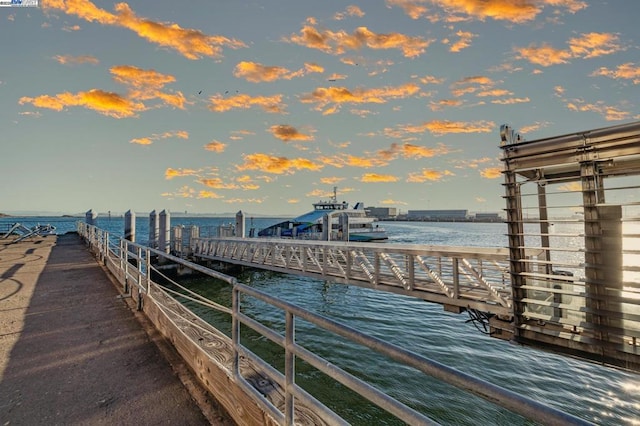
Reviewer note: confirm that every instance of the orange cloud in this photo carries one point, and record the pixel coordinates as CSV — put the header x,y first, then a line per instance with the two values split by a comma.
x,y
429,79
143,85
544,55
390,202
350,11
342,160
587,46
288,133
217,183
337,43
375,177
413,8
445,103
464,41
414,151
428,175
277,165
533,127
203,194
192,44
148,140
516,11
511,101
140,78
75,60
592,45
440,127
172,173
474,84
571,187
183,192
271,104
256,73
240,134
331,180
408,150
146,84
106,103
491,173
626,71
215,146
610,113
471,164
324,96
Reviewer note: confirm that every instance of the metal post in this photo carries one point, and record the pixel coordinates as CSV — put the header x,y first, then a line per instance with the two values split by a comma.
x,y
515,229
594,289
148,270
165,227
106,247
240,224
235,331
326,227
130,226
139,280
544,227
290,368
344,226
153,230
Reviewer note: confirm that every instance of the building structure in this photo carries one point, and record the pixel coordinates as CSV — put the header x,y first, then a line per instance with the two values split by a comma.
x,y
445,215
488,217
382,212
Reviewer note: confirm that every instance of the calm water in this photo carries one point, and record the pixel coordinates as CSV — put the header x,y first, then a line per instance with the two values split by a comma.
x,y
595,393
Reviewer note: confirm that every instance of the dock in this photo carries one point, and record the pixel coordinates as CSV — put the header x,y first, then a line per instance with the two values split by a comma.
x,y
72,351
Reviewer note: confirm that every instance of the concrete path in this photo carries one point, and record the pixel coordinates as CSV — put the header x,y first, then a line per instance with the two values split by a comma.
x,y
73,353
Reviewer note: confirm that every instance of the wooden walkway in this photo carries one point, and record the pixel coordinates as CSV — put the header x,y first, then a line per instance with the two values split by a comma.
x,y
73,352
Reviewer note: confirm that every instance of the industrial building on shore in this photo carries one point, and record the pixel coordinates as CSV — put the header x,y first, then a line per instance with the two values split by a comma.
x,y
392,213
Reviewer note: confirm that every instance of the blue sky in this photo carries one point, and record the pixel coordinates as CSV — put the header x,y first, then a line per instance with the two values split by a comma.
x,y
265,106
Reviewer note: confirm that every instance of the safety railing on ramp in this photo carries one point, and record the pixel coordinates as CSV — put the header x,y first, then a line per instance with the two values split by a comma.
x,y
457,277
141,272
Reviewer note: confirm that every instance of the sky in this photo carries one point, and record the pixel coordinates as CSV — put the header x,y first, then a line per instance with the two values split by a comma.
x,y
216,106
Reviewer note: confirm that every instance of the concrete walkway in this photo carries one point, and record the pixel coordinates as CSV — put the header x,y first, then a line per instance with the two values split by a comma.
x,y
72,352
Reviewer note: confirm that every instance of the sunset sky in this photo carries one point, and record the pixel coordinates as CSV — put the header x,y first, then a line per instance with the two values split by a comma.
x,y
214,106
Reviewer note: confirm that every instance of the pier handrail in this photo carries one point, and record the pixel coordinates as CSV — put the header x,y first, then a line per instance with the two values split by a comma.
x,y
134,267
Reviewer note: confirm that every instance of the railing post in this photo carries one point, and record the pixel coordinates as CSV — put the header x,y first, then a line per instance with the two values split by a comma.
x,y
164,239
139,280
456,277
148,270
290,368
124,263
106,248
153,230
235,331
240,221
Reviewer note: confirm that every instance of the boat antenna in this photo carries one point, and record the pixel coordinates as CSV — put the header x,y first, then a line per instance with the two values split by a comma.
x,y
335,194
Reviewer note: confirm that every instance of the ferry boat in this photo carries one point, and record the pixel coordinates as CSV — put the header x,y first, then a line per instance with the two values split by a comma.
x,y
361,227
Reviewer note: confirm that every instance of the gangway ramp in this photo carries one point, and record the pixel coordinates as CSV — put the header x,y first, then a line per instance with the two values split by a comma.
x,y
458,278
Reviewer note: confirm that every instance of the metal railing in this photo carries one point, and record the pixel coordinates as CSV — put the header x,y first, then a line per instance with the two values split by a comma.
x,y
573,218
133,265
464,277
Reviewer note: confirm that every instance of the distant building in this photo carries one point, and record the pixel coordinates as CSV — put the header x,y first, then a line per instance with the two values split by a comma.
x,y
382,212
437,214
488,217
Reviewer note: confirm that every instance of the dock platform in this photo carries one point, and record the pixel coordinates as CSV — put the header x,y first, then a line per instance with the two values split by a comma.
x,y
72,351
